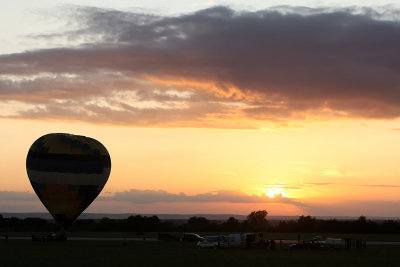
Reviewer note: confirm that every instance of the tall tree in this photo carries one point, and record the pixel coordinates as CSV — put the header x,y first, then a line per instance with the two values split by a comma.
x,y
257,220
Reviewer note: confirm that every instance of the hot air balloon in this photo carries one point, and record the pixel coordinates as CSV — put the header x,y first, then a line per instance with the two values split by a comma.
x,y
67,173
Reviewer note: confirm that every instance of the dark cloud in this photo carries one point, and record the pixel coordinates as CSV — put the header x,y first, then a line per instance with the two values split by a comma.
x,y
267,65
156,196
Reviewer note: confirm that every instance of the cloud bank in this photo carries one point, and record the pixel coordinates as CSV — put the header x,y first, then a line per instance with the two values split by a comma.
x,y
17,196
156,196
213,68
160,201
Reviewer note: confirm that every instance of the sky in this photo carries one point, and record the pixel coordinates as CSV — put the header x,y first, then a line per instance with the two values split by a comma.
x,y
210,106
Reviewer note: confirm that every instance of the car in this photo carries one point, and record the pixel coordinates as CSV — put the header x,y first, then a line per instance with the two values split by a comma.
x,y
191,237
215,242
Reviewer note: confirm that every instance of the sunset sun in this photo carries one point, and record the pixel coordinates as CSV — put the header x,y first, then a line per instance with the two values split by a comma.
x,y
275,192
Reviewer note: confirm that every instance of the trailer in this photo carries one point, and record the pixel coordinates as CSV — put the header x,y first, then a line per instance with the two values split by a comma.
x,y
235,241
245,240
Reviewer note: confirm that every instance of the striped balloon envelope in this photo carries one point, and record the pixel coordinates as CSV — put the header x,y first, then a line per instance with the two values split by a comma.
x,y
67,173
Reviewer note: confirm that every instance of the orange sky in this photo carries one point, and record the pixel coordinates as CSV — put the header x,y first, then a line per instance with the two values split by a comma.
x,y
322,163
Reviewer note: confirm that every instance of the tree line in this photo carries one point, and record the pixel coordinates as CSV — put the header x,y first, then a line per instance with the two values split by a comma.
x,y
256,222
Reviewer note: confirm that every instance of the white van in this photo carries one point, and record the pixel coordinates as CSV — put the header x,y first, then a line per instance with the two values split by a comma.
x,y
214,241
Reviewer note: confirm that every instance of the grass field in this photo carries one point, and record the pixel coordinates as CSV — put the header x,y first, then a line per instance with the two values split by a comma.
x,y
139,253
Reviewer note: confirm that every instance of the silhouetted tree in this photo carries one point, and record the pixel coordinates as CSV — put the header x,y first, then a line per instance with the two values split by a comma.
x,y
105,224
83,224
139,224
306,224
257,220
362,219
197,224
232,224
35,224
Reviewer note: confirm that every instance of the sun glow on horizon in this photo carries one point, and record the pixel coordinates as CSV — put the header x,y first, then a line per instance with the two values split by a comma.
x,y
275,191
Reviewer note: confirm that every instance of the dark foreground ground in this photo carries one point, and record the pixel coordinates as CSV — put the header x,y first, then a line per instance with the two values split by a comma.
x,y
156,253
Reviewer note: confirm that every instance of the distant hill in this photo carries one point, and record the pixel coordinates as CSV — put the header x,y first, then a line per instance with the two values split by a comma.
x,y
217,217
47,216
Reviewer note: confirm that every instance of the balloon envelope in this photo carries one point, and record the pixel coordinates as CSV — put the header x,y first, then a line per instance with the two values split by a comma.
x,y
67,173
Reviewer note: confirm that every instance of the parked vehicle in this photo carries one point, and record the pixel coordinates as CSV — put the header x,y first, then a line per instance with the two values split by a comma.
x,y
315,243
217,241
191,237
335,243
235,241
355,243
240,240
307,244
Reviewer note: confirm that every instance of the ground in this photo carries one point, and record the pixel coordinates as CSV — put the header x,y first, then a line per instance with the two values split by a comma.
x,y
157,253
